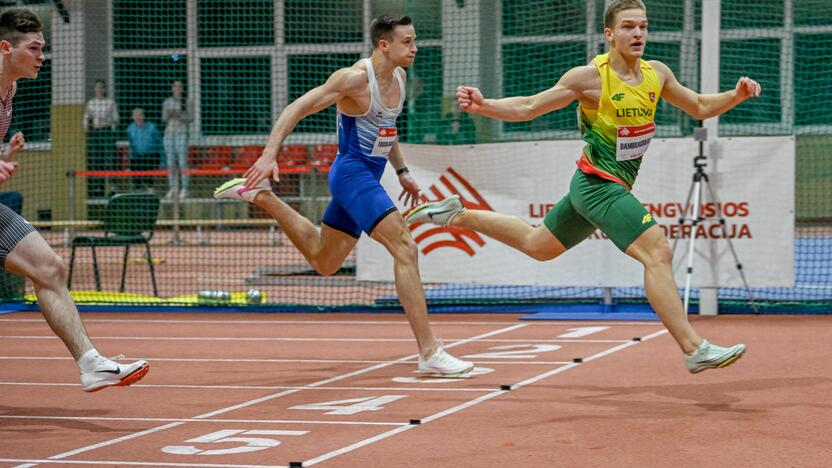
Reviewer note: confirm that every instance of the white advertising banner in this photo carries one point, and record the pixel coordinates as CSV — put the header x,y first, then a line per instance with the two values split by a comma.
x,y
752,180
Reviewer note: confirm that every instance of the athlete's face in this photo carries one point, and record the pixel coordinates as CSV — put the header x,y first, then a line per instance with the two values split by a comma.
x,y
629,36
401,49
26,58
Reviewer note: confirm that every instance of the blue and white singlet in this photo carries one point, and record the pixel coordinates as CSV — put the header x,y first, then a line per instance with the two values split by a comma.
x,y
359,201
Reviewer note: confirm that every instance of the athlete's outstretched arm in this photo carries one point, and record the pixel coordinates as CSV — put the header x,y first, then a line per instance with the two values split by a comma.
x,y
521,108
340,84
704,106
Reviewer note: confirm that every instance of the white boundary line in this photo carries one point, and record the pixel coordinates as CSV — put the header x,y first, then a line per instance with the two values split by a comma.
x,y
264,387
233,421
273,396
324,321
278,338
275,361
496,393
35,462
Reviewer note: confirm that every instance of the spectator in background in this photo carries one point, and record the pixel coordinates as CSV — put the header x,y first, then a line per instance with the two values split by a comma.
x,y
145,148
100,120
176,114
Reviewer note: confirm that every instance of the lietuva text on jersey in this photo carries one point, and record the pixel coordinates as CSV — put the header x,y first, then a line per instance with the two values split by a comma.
x,y
634,112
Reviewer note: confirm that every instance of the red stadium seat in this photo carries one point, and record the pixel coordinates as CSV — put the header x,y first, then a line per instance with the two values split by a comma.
x,y
195,155
324,156
246,157
216,157
292,157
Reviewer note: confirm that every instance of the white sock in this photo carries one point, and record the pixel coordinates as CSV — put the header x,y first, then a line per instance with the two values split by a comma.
x,y
88,360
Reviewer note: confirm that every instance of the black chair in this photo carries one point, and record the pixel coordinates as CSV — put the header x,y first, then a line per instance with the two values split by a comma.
x,y
129,219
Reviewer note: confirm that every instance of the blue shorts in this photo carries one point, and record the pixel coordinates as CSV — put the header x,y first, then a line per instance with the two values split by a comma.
x,y
359,202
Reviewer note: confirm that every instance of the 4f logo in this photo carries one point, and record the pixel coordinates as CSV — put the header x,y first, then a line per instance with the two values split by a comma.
x,y
617,97
430,237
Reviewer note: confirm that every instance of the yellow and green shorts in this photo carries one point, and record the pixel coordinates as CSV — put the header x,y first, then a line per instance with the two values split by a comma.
x,y
595,203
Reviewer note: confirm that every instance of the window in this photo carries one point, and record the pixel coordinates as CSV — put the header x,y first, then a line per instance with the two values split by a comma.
x,y
760,59
235,24
536,18
812,69
163,24
317,22
812,13
145,82
236,96
531,68
766,14
309,71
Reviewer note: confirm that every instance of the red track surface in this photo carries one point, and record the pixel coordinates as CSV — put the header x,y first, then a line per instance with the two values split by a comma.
x,y
627,403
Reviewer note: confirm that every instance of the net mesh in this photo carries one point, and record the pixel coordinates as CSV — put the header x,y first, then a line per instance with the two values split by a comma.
x,y
241,63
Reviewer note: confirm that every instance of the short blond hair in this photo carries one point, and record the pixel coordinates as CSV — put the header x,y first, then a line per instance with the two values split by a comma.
x,y
620,5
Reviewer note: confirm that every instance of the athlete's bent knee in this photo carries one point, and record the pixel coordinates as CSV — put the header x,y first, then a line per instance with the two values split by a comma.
x,y
539,250
325,268
406,251
659,253
541,254
51,271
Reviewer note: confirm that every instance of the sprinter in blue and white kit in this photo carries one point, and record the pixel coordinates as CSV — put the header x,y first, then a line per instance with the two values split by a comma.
x,y
369,97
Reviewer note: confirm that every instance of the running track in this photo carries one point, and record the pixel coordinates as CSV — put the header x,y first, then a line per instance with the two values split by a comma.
x,y
268,390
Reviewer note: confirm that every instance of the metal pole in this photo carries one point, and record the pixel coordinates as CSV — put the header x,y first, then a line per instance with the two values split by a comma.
x,y
69,231
175,203
697,196
709,76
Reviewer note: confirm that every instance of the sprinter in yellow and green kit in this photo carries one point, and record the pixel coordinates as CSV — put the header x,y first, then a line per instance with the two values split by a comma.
x,y
617,93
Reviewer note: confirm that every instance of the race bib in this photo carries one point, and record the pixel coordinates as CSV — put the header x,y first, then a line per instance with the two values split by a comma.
x,y
633,141
384,142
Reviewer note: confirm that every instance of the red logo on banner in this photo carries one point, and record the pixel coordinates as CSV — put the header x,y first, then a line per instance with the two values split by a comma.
x,y
437,237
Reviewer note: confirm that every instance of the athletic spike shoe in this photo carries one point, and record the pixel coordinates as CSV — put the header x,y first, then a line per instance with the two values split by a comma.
x,y
440,213
442,363
711,356
235,189
108,373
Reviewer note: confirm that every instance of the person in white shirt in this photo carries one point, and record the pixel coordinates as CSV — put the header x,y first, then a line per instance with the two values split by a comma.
x,y
100,120
176,114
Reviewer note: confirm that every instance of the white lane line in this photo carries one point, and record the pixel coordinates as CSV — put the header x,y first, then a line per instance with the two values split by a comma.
x,y
185,420
276,395
275,361
473,402
264,387
271,321
115,441
358,372
34,462
288,338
